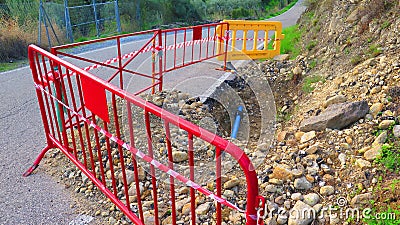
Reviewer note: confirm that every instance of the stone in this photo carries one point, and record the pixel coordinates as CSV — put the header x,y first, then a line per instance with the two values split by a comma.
x,y
334,100
282,219
297,196
396,130
327,190
361,163
130,176
355,15
281,57
342,159
349,140
84,178
373,152
336,116
361,199
302,184
334,220
311,199
203,208
186,209
235,217
381,139
297,71
167,221
375,109
281,136
270,188
181,203
308,136
141,173
275,181
279,200
270,221
312,149
179,156
298,135
385,124
375,90
301,214
229,193
132,189
231,183
282,172
149,218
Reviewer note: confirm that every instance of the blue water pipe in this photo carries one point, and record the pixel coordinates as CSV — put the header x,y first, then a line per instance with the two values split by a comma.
x,y
236,124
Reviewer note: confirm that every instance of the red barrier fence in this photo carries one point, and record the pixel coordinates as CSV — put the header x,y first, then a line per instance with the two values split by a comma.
x,y
169,50
109,133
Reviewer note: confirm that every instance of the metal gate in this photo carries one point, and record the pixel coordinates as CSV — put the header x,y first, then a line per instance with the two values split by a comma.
x,y
96,124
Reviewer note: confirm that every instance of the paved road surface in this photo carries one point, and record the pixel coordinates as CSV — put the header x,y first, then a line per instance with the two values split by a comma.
x,y
39,199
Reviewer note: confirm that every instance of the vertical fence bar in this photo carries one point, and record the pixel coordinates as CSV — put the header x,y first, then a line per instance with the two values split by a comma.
x,y
95,18
40,23
110,160
152,169
70,36
171,166
134,162
99,154
191,166
184,48
120,68
218,183
160,61
117,18
121,154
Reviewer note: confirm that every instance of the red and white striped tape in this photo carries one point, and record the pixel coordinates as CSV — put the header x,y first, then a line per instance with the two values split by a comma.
x,y
145,157
160,48
155,49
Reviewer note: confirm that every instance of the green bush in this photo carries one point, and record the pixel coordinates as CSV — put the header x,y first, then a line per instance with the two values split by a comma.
x,y
390,157
240,13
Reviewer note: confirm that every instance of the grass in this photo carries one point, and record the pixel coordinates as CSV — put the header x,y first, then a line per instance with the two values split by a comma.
x,y
390,157
290,44
355,60
385,24
313,64
14,65
373,50
311,45
309,81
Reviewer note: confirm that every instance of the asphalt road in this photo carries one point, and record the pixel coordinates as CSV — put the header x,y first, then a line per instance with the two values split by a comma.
x,y
39,199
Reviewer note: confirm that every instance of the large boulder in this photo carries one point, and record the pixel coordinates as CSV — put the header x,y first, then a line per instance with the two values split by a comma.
x,y
336,116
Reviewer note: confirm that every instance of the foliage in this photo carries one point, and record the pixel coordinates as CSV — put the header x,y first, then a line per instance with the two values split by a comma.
x,y
374,51
309,81
290,44
390,157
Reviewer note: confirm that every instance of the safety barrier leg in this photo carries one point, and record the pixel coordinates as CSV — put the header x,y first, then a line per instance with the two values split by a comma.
x,y
37,161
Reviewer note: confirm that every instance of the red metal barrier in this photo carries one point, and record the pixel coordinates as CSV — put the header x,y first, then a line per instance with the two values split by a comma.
x,y
169,50
83,116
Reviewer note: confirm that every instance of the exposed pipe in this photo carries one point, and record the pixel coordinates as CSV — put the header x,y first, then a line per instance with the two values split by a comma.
x,y
236,124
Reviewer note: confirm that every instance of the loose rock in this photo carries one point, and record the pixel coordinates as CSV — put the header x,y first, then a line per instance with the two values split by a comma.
x,y
327,190
302,184
336,116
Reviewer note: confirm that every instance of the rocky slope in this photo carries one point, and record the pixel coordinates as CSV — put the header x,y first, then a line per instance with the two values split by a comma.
x,y
337,146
